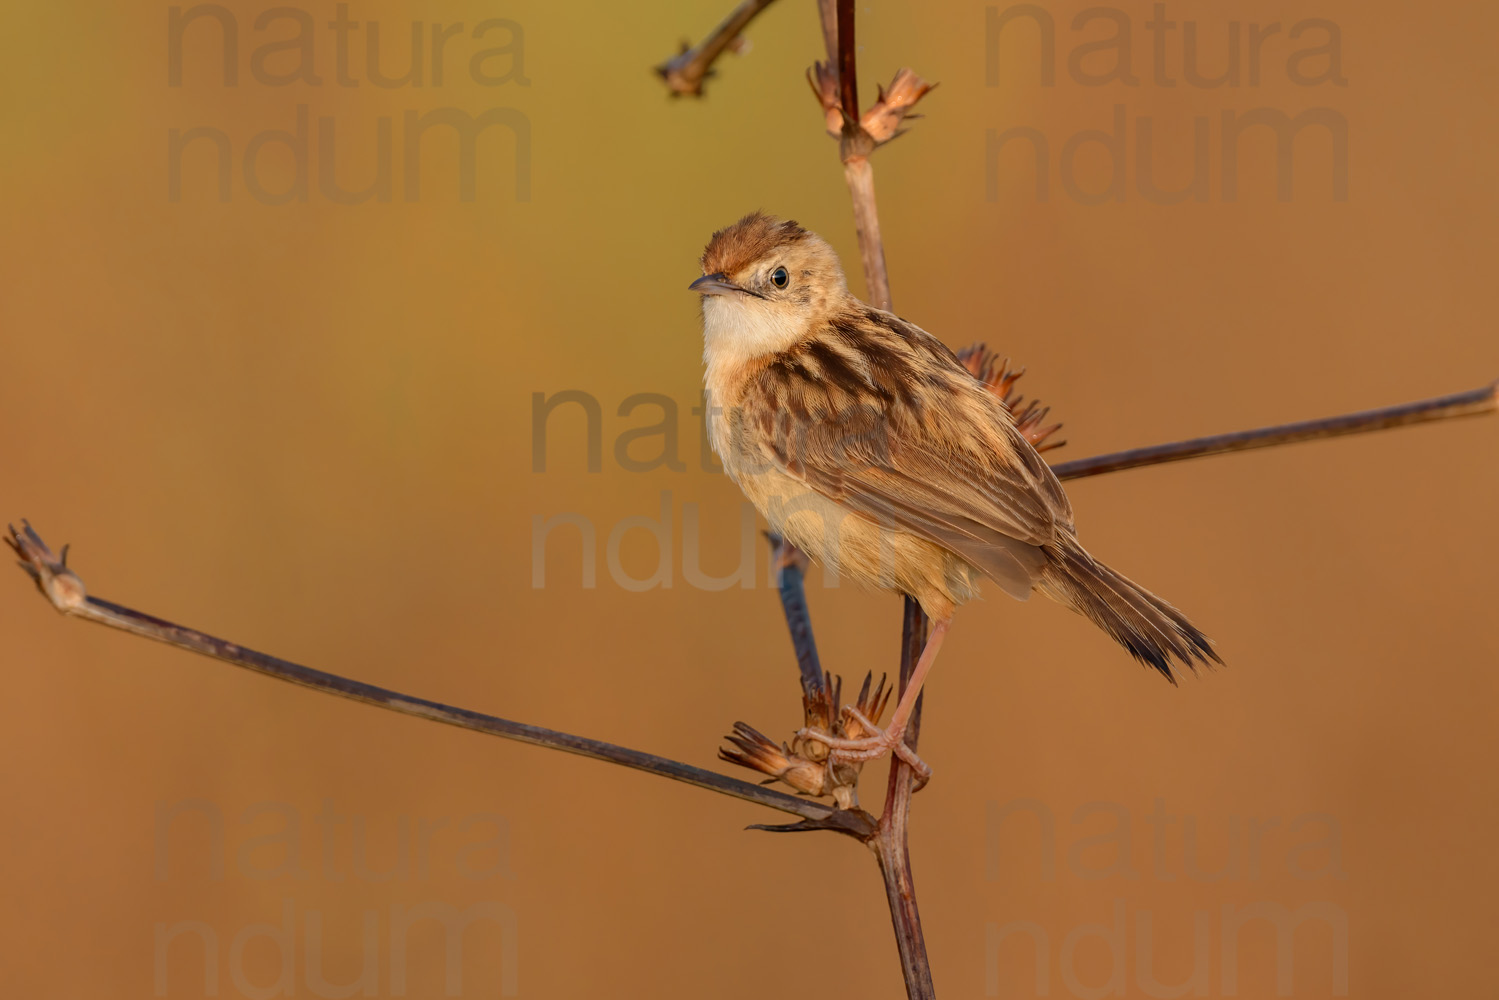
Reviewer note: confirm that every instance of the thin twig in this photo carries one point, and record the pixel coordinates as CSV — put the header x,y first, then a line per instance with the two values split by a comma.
x,y
891,848
685,72
913,635
66,592
858,173
791,570
853,149
846,59
1463,404
827,15
891,843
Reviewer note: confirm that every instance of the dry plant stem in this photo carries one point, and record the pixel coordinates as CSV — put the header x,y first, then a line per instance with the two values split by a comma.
x,y
890,843
791,584
685,73
859,174
1463,404
892,850
827,14
854,151
913,636
846,59
63,588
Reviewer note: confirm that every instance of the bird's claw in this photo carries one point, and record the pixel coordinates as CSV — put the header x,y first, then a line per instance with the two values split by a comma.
x,y
879,743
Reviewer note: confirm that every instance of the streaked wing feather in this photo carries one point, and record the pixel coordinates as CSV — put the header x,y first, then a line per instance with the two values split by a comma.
x,y
896,456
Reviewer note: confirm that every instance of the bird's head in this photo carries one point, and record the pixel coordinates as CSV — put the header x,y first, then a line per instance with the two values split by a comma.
x,y
766,284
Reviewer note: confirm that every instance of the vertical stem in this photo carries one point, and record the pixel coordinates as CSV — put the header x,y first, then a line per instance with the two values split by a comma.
x,y
913,636
894,855
890,844
859,174
848,81
827,13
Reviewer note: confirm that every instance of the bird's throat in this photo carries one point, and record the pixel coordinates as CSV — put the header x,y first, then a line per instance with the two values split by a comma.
x,y
739,330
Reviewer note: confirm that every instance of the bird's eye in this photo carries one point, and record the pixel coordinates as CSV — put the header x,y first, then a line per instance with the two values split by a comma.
x,y
780,278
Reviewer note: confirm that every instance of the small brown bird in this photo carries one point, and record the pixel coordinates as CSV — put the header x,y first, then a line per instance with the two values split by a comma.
x,y
864,441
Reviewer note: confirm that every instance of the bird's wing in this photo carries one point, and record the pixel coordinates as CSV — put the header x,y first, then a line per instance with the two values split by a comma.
x,y
891,426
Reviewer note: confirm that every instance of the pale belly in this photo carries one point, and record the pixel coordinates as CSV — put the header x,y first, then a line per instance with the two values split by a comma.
x,y
851,547
848,546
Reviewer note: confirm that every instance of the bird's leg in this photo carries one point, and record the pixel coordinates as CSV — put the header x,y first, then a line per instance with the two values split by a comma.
x,y
892,739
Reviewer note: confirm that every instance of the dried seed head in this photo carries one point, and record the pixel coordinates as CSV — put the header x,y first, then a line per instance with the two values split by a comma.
x,y
50,571
823,78
893,106
804,763
1000,378
882,122
820,714
755,751
869,707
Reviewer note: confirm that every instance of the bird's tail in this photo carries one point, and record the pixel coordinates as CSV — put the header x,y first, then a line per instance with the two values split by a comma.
x,y
1150,629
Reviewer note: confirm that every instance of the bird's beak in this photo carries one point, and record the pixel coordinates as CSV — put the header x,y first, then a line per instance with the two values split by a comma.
x,y
713,284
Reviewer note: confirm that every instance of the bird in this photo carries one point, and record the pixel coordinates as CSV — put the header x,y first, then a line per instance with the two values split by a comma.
x,y
865,442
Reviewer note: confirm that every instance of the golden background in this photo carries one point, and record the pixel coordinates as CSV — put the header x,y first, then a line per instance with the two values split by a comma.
x,y
308,428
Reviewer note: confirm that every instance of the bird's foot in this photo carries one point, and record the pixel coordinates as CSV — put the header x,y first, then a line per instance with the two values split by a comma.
x,y
862,749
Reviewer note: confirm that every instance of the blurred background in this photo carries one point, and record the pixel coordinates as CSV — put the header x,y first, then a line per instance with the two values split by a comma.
x,y
310,426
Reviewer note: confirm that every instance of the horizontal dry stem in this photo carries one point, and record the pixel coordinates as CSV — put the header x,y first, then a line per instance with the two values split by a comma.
x,y
1463,404
685,73
66,592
